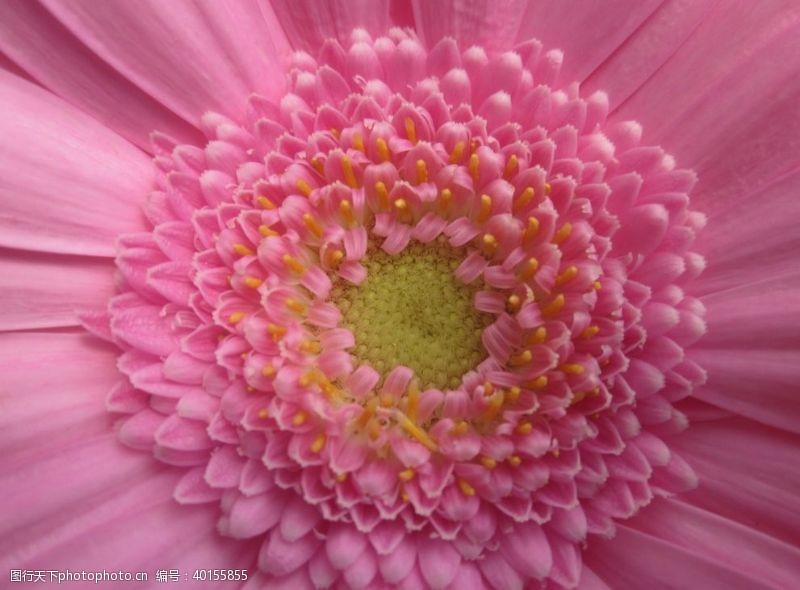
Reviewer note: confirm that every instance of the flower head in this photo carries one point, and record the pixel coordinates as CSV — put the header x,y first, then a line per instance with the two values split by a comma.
x,y
425,307
420,313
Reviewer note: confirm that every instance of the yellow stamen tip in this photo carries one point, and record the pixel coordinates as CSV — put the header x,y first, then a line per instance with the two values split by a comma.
x,y
538,336
529,269
515,460
486,208
597,285
566,276
236,317
411,130
458,151
293,264
460,428
445,197
548,188
346,211
554,306
242,250
422,171
383,150
266,231
295,306
276,331
268,371
522,358
265,203
383,195
263,413
488,462
590,332
358,142
299,418
333,257
572,369
562,234
532,230
524,428
523,199
318,443
406,474
466,488
252,282
489,244
511,166
539,383
313,225
303,187
349,174
474,163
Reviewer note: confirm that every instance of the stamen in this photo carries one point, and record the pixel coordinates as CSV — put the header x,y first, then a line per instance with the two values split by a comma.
x,y
474,162
512,395
318,443
562,234
523,358
346,211
383,195
458,151
590,332
466,488
406,474
513,303
383,150
486,208
445,197
416,432
293,264
422,172
524,428
488,462
266,231
566,276
313,225
411,130
572,369
347,171
489,244
242,250
268,370
512,164
304,187
514,461
296,306
252,282
265,203
403,211
532,230
523,199
358,142
528,269
263,413
460,428
299,418
276,331
236,317
538,336
333,257
554,306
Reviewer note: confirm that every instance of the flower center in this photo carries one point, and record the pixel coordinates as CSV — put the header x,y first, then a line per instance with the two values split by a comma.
x,y
412,311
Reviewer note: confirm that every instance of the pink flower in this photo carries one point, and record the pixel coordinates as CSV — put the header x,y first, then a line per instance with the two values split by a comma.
x,y
388,301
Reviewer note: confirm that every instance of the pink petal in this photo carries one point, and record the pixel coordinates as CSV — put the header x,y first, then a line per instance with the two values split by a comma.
x,y
471,22
308,23
737,547
741,59
587,33
656,560
30,35
190,57
51,154
41,291
765,499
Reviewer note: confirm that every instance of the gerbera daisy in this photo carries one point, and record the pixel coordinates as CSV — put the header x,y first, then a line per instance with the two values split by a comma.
x,y
400,294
